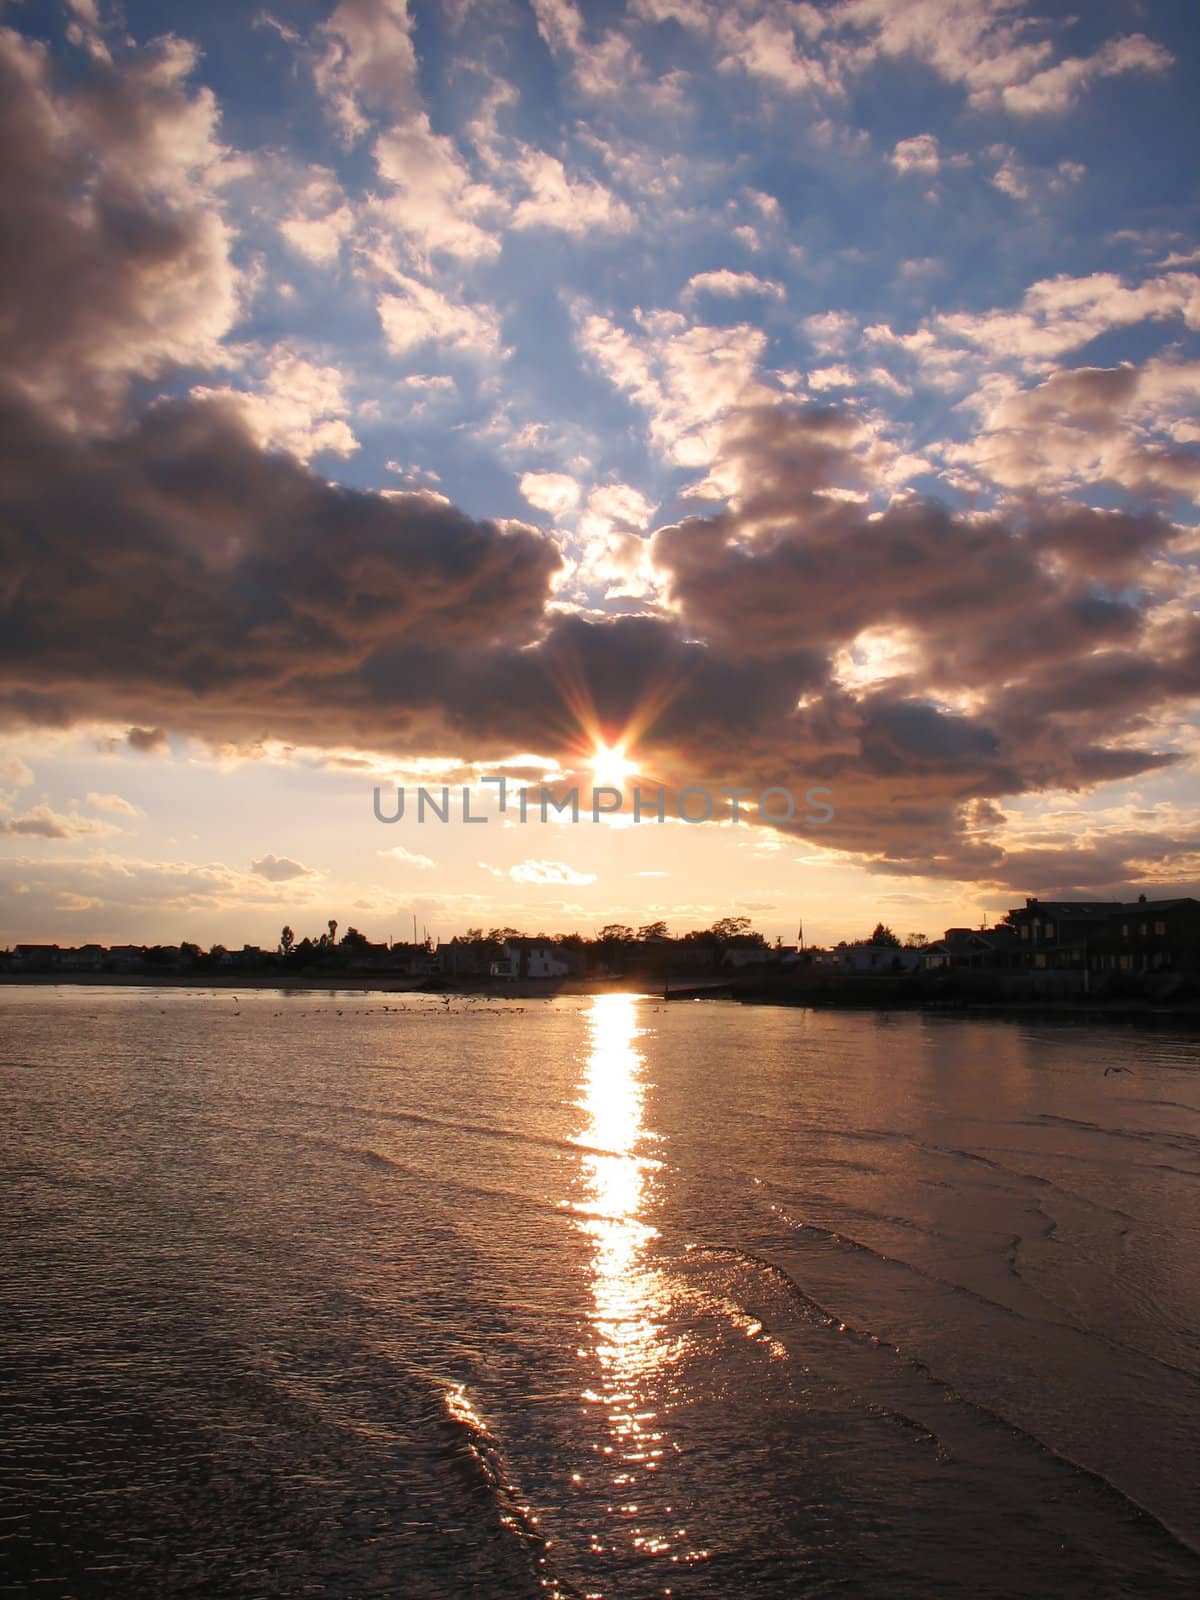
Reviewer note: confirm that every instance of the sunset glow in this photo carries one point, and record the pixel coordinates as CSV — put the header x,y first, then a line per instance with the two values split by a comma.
x,y
392,387
611,767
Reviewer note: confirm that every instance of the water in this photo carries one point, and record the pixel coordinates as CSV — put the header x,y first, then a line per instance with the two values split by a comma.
x,y
369,1295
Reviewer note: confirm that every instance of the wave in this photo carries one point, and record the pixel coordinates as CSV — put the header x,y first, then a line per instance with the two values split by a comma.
x,y
813,1311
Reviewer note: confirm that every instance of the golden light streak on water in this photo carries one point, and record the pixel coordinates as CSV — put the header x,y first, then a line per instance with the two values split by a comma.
x,y
630,1296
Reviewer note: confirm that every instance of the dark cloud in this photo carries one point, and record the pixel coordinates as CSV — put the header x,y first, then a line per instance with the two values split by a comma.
x,y
177,575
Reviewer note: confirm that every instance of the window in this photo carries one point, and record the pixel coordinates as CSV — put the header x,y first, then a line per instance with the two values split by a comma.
x,y
1025,930
1160,928
1124,930
1049,930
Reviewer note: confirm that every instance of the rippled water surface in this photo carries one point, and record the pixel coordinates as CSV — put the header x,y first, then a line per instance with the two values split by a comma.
x,y
372,1295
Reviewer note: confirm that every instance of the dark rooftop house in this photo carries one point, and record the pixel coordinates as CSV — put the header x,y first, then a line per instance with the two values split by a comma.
x,y
1139,935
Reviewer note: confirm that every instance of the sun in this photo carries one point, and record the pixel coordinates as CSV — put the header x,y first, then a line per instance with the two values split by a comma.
x,y
611,767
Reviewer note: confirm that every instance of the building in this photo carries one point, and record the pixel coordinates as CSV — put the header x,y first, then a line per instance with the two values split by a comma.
x,y
974,950
862,958
1055,935
36,958
84,958
528,958
1105,937
1149,936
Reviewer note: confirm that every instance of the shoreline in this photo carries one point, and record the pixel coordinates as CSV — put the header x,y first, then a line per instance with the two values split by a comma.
x,y
1130,1009
521,988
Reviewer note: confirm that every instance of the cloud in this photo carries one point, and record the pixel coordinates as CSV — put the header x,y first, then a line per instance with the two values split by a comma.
x,y
431,198
40,822
727,284
118,897
238,621
281,869
779,48
688,376
408,858
418,314
606,67
13,770
549,872
1064,313
989,47
575,206
299,406
146,740
1131,426
555,492
129,274
115,804
321,219
835,377
368,66
1058,87
830,332
918,154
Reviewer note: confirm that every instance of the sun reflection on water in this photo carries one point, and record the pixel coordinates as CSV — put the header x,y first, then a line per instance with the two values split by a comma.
x,y
630,1298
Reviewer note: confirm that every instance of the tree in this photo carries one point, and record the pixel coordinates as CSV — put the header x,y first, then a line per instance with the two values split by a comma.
x,y
736,930
286,940
353,942
333,930
653,930
884,935
916,941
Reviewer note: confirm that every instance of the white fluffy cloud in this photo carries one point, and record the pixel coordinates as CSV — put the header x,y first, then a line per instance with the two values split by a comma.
x,y
555,492
918,154
545,873
299,407
416,313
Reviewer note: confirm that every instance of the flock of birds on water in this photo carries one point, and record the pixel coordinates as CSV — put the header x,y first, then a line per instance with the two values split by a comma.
x,y
471,1005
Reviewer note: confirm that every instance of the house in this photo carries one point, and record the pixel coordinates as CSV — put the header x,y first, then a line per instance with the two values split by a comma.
x,y
1149,936
413,960
126,958
36,958
84,958
528,958
747,955
1055,934
467,958
974,949
865,958
1109,936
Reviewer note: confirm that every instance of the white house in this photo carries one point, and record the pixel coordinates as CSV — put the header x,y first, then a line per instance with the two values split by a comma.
x,y
528,958
864,957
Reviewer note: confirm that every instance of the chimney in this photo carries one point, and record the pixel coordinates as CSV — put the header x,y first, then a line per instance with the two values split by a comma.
x,y
1141,899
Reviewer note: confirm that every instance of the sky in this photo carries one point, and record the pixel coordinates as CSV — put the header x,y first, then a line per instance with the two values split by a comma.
x,y
719,396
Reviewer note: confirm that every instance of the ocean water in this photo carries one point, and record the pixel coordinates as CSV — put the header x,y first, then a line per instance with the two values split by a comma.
x,y
366,1295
